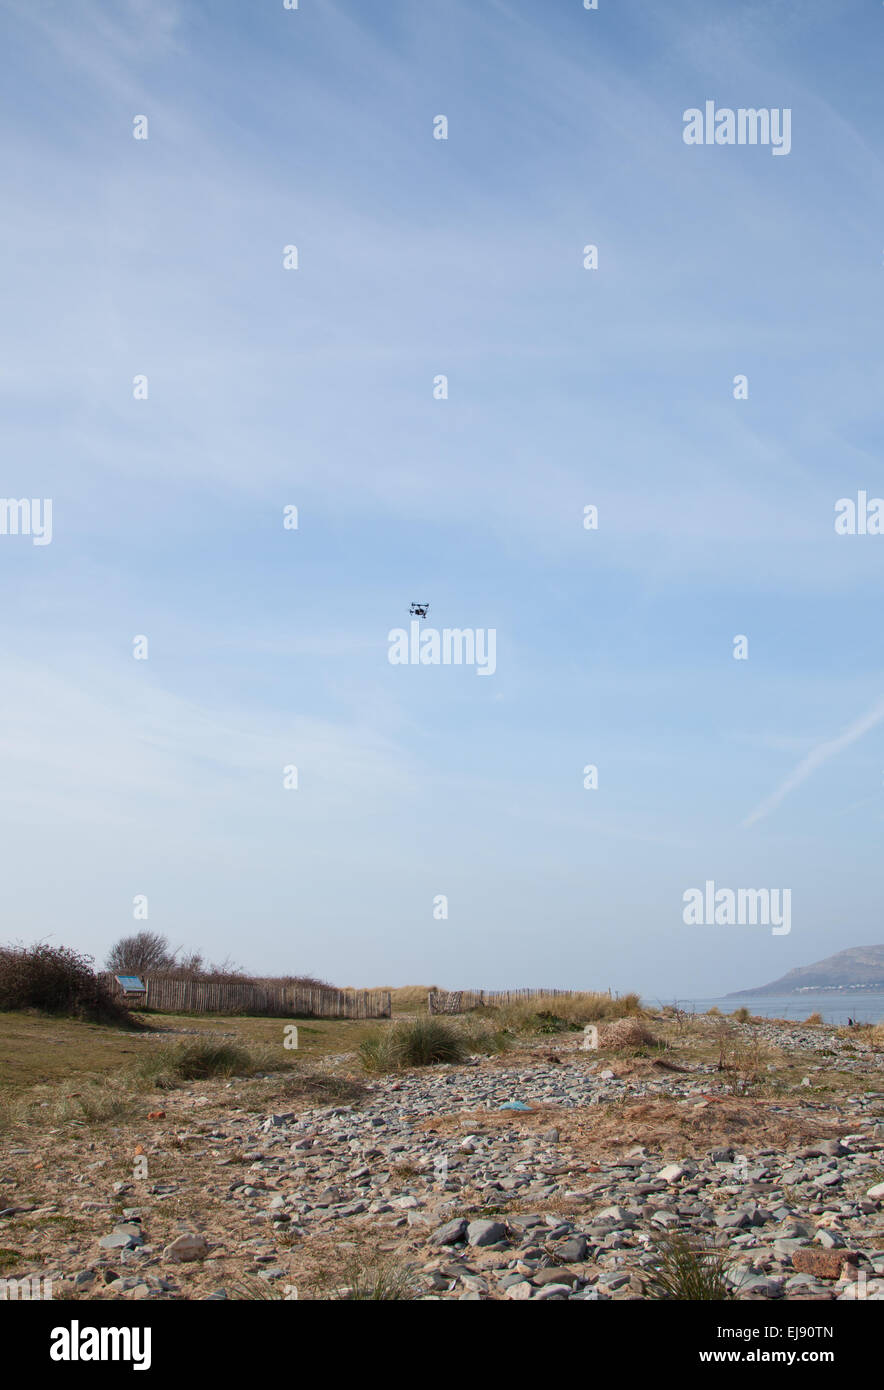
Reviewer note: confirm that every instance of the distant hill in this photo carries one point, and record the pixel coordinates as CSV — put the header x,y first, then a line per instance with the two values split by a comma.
x,y
859,968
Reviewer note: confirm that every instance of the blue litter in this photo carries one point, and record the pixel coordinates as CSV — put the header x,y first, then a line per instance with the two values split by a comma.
x,y
514,1105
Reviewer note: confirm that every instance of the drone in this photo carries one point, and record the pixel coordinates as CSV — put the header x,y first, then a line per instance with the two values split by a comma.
x,y
419,610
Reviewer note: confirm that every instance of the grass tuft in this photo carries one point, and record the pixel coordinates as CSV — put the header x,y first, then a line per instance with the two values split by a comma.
x,y
425,1042
688,1271
375,1281
167,1066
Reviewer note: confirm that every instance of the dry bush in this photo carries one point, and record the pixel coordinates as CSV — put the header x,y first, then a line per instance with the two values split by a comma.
x,y
814,1018
744,1060
625,1032
684,1021
56,980
143,953
193,966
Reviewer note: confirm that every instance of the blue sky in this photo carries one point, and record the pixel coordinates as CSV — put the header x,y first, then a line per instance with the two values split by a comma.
x,y
567,387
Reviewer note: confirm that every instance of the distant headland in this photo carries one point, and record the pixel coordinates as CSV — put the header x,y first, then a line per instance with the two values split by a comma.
x,y
860,969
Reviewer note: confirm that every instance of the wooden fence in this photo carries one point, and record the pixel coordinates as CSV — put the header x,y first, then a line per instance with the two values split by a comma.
x,y
243,997
460,1001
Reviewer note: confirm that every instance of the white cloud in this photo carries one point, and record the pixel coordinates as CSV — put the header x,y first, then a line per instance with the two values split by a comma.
x,y
815,759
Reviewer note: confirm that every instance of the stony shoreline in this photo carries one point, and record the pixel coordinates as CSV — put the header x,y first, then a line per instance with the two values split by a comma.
x,y
425,1172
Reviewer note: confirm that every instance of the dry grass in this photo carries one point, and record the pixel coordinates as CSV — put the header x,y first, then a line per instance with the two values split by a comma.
x,y
371,1279
35,1050
93,1100
552,1013
198,1059
625,1033
678,1128
183,1147
410,999
862,1035
351,1266
87,1101
312,1090
671,1128
744,1060
688,1270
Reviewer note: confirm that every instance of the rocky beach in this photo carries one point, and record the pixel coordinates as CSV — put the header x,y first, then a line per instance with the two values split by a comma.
x,y
546,1172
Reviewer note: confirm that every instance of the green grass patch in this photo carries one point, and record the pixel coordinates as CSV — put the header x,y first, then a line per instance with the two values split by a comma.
x,y
424,1042
201,1059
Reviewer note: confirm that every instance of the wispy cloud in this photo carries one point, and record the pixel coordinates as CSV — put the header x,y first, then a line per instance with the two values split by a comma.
x,y
815,758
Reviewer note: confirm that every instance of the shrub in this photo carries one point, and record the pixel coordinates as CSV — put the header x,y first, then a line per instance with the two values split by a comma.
x,y
741,1015
57,980
625,1032
814,1018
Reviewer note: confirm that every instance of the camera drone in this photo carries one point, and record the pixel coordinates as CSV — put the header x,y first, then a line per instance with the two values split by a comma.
x,y
419,610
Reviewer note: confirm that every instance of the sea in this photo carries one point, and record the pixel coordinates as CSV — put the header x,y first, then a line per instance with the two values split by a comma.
x,y
835,1006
